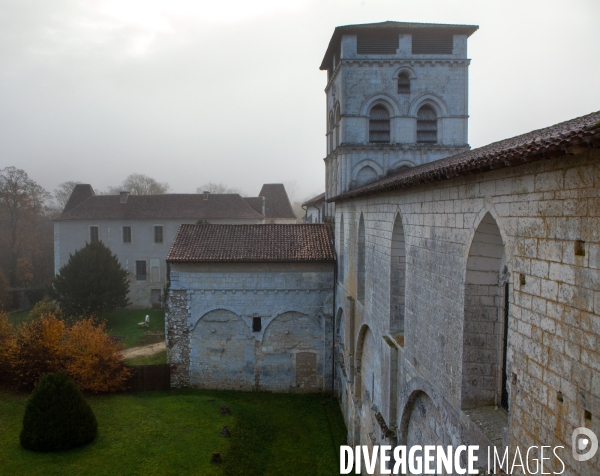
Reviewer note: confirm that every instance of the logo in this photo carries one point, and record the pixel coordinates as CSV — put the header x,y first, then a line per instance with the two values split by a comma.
x,y
584,444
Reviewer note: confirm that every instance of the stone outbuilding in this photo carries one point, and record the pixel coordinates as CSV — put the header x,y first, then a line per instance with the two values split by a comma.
x,y
251,307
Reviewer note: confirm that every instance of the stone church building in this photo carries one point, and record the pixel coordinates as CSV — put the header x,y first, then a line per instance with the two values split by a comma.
x,y
465,304
468,284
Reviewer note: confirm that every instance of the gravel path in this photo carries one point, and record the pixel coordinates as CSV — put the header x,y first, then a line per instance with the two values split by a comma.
x,y
143,351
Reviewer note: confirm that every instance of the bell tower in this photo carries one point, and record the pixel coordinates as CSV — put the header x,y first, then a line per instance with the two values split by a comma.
x,y
397,96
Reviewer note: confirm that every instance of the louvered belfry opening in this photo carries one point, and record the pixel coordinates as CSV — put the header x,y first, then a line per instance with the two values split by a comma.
x,y
426,125
380,43
403,84
379,125
432,44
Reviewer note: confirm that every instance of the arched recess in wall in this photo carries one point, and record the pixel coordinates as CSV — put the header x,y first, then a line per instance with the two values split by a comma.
x,y
364,378
330,126
341,250
338,125
366,175
421,422
485,327
360,260
397,278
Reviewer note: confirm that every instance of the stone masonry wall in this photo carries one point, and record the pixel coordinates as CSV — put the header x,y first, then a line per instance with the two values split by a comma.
x,y
548,218
210,326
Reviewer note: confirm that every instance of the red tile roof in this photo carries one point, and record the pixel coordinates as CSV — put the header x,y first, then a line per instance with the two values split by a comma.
x,y
252,244
554,141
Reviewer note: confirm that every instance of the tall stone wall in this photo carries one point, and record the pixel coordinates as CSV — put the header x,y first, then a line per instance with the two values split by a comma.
x,y
251,326
449,356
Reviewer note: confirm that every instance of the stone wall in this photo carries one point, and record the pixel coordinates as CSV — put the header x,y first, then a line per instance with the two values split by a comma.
x,y
251,326
532,231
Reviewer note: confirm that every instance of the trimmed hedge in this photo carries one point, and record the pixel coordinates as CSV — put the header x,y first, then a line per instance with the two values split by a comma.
x,y
57,417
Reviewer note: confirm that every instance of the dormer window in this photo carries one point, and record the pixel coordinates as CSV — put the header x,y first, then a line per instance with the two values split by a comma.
x,y
426,125
379,125
403,84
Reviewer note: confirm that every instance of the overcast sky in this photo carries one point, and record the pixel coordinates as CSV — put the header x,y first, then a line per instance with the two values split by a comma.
x,y
192,91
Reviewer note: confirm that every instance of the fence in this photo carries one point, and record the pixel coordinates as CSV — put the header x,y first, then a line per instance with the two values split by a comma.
x,y
150,377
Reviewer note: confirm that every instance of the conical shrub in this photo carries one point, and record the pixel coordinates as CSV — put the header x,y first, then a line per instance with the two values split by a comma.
x,y
56,416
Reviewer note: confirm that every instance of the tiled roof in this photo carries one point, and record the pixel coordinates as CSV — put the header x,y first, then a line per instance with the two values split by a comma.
x,y
314,200
175,206
400,27
251,243
277,203
80,194
560,139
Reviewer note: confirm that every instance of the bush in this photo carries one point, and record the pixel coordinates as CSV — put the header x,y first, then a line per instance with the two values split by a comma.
x,y
44,307
91,282
83,350
7,346
57,417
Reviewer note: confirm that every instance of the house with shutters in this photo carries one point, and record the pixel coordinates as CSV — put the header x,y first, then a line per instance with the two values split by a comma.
x,y
139,229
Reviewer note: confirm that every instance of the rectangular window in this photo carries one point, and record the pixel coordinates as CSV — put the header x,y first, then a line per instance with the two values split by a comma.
x,y
432,45
256,324
158,234
126,234
377,43
140,270
93,234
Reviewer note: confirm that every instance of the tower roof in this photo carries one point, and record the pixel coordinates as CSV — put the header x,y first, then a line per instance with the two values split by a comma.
x,y
400,27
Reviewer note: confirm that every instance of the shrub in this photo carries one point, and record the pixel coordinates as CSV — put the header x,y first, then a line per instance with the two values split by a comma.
x,y
39,349
44,307
56,416
83,350
93,358
91,282
7,345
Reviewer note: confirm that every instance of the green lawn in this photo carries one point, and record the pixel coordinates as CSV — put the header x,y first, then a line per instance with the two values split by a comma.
x,y
124,323
175,433
17,317
158,358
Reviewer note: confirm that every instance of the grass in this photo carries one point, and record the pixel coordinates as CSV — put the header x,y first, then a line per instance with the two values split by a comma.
x,y
18,317
124,323
158,358
175,433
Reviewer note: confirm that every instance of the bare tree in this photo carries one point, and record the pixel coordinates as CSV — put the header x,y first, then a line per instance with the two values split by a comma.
x,y
21,210
218,188
139,184
62,193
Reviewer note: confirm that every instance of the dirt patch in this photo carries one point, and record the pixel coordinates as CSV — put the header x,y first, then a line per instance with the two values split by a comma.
x,y
144,350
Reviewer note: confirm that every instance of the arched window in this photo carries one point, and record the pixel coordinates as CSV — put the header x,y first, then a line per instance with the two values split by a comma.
x,y
360,262
426,125
365,175
330,131
379,125
338,125
403,83
342,250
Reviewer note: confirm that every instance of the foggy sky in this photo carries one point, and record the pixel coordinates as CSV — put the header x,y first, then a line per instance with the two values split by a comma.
x,y
189,92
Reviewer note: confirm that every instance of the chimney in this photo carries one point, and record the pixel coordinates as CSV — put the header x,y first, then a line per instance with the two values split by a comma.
x,y
124,196
263,206
206,194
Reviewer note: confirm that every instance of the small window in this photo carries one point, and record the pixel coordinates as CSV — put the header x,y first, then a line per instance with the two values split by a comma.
x,y
426,125
126,234
256,324
93,234
158,234
379,125
403,84
140,270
